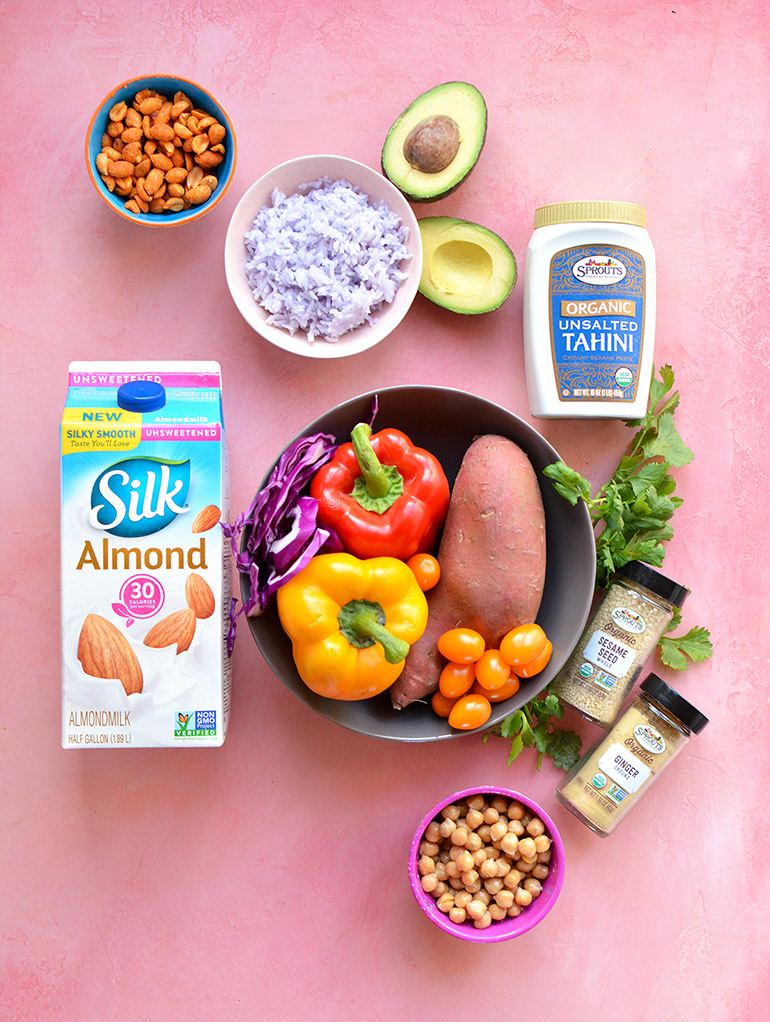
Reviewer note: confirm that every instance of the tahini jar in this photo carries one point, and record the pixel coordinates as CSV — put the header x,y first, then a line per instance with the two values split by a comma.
x,y
589,311
634,611
612,776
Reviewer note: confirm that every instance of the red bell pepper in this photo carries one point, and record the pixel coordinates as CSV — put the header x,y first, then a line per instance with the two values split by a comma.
x,y
383,496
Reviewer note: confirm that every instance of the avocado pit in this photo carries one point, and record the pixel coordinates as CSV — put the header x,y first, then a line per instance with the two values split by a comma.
x,y
432,144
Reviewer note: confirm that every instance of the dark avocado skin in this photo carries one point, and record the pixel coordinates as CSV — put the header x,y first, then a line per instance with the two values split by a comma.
x,y
417,106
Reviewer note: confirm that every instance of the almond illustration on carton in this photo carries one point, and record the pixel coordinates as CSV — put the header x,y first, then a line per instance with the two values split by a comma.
x,y
199,596
175,629
104,652
206,519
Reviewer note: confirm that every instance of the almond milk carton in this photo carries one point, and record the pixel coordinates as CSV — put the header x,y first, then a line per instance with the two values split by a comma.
x,y
145,568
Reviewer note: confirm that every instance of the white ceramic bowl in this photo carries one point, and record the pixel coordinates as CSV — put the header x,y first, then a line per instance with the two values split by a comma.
x,y
288,177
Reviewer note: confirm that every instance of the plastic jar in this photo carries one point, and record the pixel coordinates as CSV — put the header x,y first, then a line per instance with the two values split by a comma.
x,y
589,311
634,612
612,776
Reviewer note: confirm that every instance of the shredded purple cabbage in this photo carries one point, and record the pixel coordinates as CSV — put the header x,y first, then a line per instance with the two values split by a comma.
x,y
284,532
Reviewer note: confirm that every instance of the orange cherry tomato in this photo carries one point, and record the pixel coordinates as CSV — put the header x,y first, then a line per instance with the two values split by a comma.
x,y
469,712
426,570
456,679
492,671
441,705
536,665
461,645
510,688
523,644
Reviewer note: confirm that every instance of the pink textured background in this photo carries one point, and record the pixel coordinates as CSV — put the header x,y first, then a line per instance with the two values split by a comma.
x,y
267,879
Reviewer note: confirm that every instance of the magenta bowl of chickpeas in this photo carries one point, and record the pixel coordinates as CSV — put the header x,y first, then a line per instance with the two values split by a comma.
x,y
486,864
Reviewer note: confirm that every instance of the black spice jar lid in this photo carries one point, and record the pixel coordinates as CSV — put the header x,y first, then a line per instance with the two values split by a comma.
x,y
669,699
644,575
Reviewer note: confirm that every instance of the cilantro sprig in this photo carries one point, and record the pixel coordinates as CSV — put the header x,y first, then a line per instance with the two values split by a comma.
x,y
633,512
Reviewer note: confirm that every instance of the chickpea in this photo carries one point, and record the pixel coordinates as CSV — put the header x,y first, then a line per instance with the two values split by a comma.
x,y
484,922
504,899
515,810
425,865
432,832
463,899
457,884
498,830
544,856
503,866
451,812
441,888
429,848
451,869
471,878
460,835
488,868
476,908
474,842
465,861
500,804
527,848
441,870
447,827
535,827
445,903
479,856
515,827
457,915
491,815
542,843
474,818
525,865
509,843
513,879
496,911
526,818
474,889
522,897
477,802
534,887
514,910
484,896
483,832
494,885
540,871
429,882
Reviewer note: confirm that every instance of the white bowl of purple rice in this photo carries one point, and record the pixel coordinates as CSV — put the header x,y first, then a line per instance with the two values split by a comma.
x,y
323,256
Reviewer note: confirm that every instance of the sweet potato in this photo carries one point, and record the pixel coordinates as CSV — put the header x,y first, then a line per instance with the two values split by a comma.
x,y
492,557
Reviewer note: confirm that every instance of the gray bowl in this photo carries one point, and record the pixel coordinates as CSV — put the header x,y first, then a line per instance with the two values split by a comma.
x,y
445,422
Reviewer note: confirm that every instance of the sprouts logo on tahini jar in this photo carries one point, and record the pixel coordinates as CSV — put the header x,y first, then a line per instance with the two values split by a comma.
x,y
628,620
599,270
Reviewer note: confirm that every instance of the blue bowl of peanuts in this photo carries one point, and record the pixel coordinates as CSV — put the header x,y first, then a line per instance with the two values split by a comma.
x,y
160,150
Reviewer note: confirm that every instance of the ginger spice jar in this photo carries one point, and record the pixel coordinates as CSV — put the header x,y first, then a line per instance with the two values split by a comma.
x,y
613,775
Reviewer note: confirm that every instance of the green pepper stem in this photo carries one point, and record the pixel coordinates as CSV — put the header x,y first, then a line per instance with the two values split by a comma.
x,y
362,622
379,486
377,483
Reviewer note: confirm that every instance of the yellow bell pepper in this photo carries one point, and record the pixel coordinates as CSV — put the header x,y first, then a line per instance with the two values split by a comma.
x,y
351,623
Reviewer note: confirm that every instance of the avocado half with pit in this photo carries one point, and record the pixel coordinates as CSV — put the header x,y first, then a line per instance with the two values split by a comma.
x,y
466,267
435,143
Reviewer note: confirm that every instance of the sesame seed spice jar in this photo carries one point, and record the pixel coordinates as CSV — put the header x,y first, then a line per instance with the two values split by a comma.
x,y
613,775
634,612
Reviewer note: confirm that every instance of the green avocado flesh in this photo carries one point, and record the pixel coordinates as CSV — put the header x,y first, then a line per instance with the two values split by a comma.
x,y
442,132
466,267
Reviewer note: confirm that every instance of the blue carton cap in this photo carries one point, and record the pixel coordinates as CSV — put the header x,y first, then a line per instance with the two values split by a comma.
x,y
141,396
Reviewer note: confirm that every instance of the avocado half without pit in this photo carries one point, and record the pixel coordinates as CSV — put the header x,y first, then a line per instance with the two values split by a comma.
x,y
435,143
466,267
